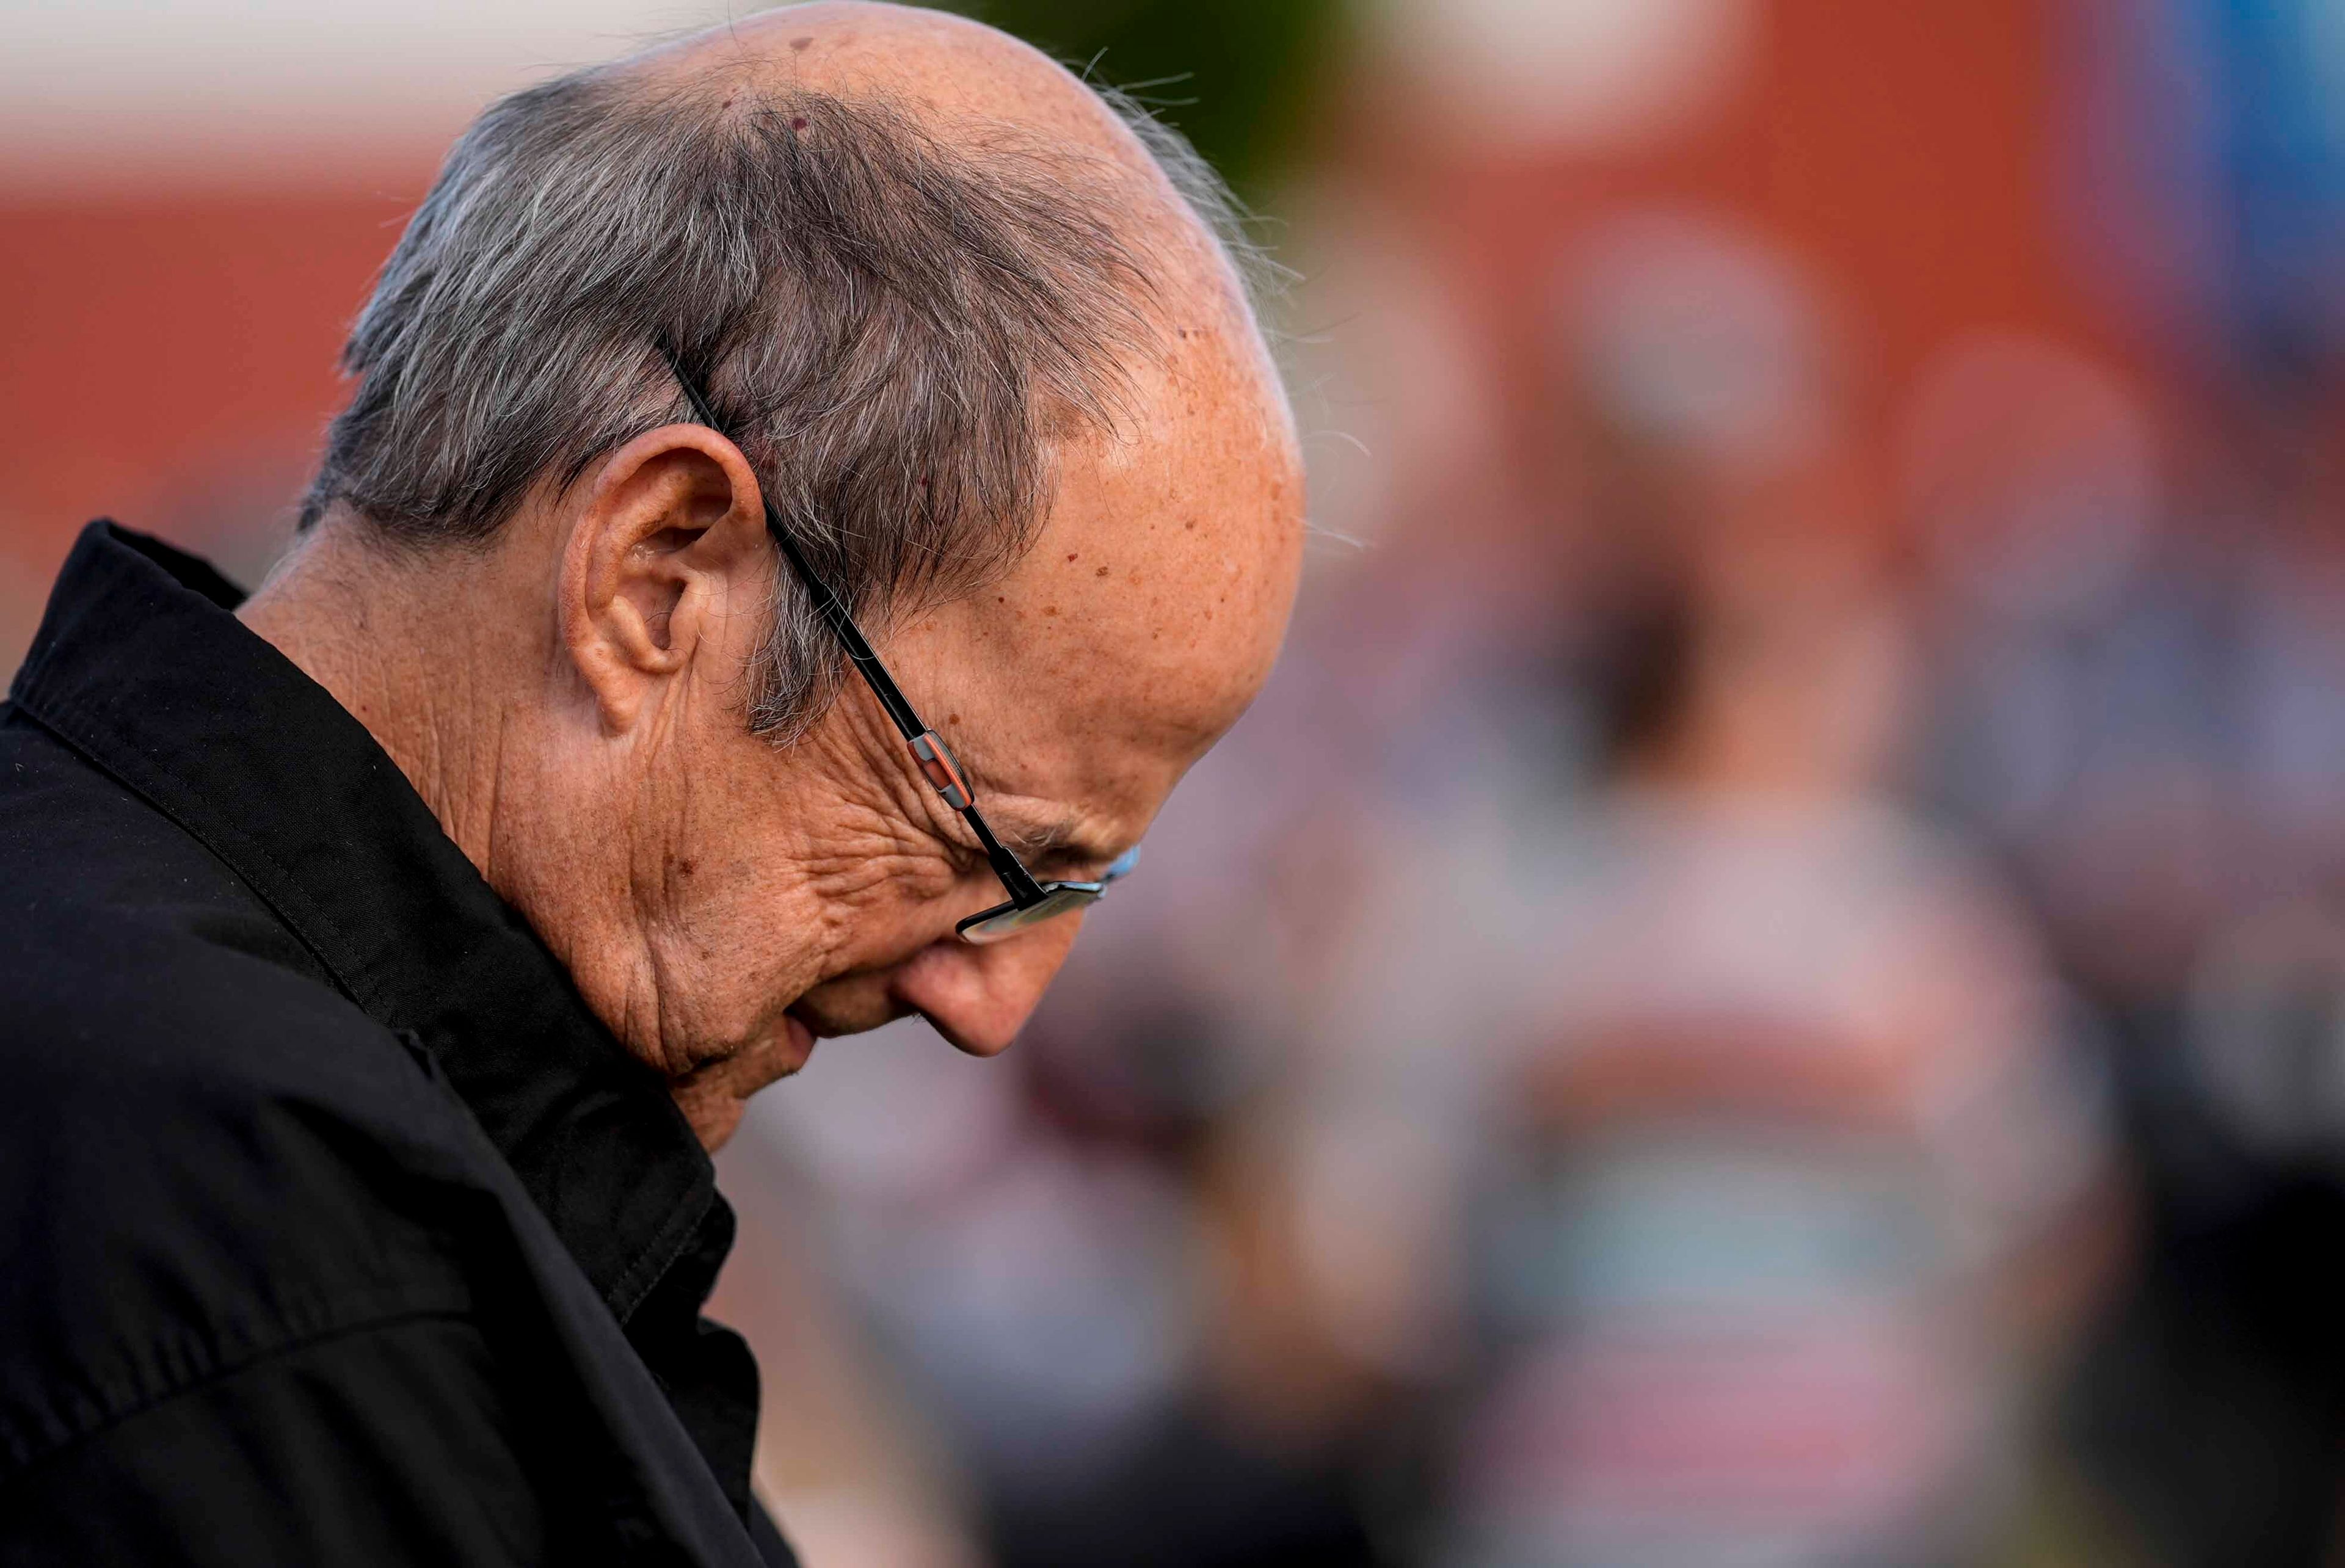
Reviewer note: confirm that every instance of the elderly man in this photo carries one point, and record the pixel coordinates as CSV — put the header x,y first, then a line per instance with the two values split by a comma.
x,y
807,494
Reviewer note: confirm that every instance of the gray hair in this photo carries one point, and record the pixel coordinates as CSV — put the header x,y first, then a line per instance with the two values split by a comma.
x,y
894,328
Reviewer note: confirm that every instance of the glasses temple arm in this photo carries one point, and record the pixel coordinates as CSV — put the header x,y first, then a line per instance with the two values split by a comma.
x,y
936,763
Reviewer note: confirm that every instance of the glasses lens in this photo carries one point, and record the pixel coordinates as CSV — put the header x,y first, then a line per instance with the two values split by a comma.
x,y
1006,920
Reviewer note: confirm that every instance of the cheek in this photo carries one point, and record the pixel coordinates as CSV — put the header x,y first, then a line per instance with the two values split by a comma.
x,y
870,928
755,881
850,1004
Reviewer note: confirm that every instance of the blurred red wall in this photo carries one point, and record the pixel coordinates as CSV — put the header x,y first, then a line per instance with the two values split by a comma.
x,y
156,344
163,345
1901,150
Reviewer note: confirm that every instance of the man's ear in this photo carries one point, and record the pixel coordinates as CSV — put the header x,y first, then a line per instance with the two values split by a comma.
x,y
665,565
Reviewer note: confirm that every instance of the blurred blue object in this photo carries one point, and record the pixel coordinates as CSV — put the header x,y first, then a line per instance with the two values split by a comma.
x,y
2211,176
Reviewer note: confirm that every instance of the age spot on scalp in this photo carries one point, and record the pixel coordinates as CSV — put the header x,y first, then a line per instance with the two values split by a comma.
x,y
1100,572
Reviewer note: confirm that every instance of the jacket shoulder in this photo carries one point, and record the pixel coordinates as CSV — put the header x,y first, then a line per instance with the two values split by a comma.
x,y
76,846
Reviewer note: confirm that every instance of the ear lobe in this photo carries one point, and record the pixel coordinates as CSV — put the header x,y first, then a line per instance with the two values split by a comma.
x,y
663,548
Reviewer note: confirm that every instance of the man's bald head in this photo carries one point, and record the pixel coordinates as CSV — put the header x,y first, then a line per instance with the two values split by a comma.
x,y
912,259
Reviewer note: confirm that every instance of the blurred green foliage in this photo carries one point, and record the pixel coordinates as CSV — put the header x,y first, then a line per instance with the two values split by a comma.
x,y
1240,77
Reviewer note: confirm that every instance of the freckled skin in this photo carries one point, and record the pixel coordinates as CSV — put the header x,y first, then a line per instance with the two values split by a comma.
x,y
720,901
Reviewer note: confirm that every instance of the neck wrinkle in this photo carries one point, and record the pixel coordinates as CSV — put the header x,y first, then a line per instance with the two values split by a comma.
x,y
333,619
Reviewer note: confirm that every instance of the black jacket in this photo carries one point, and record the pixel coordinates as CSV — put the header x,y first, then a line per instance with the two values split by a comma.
x,y
333,1229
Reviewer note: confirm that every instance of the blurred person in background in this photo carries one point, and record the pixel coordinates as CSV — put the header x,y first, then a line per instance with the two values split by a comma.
x,y
388,951
2127,699
1757,1174
2131,622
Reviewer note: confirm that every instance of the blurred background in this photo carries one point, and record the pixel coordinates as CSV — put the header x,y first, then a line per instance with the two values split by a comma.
x,y
1766,983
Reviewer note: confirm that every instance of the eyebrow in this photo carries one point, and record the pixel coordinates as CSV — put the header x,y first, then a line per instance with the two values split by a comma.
x,y
1055,838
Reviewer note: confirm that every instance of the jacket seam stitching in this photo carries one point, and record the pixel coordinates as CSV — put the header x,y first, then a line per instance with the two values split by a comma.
x,y
15,1468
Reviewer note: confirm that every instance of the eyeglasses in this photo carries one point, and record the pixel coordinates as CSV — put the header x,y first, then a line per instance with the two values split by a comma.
x,y
1031,901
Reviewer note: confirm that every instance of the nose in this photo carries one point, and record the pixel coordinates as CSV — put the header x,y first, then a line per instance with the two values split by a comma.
x,y
979,997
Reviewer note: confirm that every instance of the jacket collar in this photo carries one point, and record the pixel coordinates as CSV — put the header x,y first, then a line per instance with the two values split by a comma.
x,y
140,665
